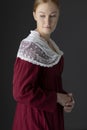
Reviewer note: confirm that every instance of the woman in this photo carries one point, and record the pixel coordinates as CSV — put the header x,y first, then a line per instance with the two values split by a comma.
x,y
37,83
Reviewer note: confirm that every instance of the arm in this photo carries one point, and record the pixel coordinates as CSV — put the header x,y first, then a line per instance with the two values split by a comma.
x,y
26,88
63,98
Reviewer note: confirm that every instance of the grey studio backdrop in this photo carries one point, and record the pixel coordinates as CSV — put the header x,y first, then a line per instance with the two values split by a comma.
x,y
70,35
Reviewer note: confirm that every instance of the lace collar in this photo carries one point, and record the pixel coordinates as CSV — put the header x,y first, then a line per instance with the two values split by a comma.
x,y
35,49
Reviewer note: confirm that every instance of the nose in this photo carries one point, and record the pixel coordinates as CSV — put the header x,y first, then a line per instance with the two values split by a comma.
x,y
47,21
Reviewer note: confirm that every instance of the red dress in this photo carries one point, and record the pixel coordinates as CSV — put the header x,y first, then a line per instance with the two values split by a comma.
x,y
34,89
36,80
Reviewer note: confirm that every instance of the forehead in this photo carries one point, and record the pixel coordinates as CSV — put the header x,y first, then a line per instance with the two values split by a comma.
x,y
47,7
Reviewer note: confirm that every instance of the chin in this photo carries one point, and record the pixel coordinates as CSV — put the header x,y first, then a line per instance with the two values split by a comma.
x,y
47,31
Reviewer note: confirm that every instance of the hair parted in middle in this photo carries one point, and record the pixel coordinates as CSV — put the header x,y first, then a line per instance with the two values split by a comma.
x,y
37,2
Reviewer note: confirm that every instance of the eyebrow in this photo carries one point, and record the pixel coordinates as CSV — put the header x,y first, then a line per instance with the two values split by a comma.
x,y
44,12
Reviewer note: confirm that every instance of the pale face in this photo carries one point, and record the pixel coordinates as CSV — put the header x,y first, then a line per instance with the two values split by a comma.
x,y
46,16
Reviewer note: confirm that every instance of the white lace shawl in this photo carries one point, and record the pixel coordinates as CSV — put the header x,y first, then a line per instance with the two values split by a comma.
x,y
34,49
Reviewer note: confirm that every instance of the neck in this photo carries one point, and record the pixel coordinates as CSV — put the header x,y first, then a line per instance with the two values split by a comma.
x,y
45,36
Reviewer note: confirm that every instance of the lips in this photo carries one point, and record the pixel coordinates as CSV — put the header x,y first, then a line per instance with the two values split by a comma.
x,y
47,27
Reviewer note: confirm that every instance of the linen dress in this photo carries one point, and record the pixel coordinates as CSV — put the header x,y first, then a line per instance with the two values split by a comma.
x,y
35,85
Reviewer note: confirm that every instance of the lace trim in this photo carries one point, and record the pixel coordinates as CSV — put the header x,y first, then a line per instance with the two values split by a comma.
x,y
40,54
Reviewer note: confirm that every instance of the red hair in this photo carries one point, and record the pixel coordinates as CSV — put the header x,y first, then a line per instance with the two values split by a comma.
x,y
37,2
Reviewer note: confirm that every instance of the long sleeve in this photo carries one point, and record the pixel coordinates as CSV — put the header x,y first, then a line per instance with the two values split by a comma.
x,y
26,88
60,77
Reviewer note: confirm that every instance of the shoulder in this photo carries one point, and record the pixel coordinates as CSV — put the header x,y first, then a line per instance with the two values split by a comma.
x,y
31,52
35,50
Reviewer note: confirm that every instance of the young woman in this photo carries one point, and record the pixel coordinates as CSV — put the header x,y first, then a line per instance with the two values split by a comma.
x,y
37,82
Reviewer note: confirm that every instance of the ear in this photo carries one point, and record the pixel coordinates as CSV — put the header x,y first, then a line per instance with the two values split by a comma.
x,y
34,15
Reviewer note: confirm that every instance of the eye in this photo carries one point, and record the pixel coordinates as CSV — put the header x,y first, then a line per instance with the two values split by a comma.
x,y
42,16
52,16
